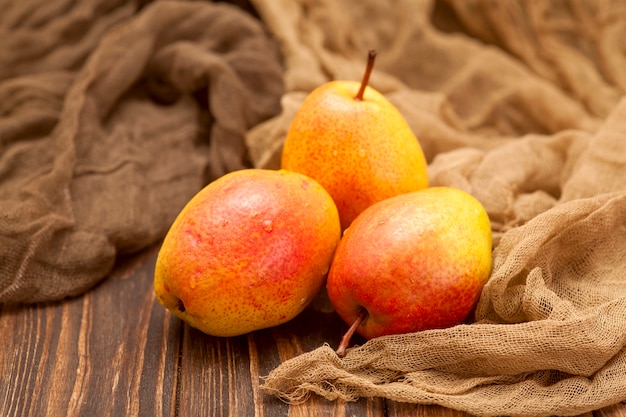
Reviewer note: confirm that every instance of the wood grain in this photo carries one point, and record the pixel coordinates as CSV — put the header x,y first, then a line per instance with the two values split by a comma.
x,y
109,352
397,409
116,352
231,369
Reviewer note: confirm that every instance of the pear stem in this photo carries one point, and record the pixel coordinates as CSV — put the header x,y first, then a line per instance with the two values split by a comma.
x,y
371,57
345,340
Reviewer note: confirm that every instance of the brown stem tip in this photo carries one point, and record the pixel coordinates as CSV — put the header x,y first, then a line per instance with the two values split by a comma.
x,y
345,340
371,57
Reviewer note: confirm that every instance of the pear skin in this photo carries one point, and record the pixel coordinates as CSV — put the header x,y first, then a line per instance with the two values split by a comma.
x,y
413,262
251,250
356,144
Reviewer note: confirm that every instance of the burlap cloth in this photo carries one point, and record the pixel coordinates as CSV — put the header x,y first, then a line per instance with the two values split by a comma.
x,y
112,116
522,104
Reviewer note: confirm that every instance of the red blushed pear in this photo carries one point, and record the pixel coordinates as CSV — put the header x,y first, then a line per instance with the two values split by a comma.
x,y
412,262
356,144
251,250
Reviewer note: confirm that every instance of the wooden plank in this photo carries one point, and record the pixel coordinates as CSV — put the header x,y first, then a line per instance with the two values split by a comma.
x,y
398,409
115,351
221,376
108,352
308,332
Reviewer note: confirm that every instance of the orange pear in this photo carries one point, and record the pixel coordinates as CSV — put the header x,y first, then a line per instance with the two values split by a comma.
x,y
251,250
412,262
356,144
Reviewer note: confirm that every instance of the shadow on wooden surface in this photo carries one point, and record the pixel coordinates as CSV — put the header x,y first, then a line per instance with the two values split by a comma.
x,y
116,352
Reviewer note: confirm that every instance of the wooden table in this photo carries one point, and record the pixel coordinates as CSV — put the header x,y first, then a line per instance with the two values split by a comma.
x,y
116,352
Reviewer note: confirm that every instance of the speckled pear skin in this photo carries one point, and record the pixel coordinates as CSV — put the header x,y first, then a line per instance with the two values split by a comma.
x,y
251,250
414,262
360,151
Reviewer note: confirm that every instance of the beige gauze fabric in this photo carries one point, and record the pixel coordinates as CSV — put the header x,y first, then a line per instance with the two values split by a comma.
x,y
112,116
522,104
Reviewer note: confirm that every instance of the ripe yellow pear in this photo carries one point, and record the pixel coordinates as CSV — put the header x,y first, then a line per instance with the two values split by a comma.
x,y
412,262
251,250
356,144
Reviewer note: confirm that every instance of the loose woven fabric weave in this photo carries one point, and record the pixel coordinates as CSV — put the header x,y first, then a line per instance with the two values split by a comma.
x,y
113,114
520,103
111,118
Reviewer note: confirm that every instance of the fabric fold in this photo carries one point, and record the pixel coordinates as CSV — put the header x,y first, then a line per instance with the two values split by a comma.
x,y
159,107
518,106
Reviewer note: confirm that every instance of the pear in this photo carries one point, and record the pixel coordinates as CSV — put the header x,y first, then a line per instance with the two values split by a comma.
x,y
356,144
251,250
412,262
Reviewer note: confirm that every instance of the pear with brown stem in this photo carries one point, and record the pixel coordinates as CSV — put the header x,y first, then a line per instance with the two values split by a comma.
x,y
413,262
356,144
